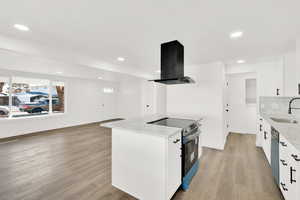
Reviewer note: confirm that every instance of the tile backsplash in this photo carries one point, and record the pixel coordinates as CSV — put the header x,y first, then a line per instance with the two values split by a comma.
x,y
278,105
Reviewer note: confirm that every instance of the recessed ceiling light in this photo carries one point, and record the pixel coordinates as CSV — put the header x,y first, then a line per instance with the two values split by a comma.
x,y
121,59
21,27
100,77
241,61
236,34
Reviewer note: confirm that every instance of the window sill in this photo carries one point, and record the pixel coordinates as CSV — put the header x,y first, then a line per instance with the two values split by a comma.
x,y
32,117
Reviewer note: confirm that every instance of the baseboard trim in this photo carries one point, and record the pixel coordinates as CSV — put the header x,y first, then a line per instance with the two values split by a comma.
x,y
25,135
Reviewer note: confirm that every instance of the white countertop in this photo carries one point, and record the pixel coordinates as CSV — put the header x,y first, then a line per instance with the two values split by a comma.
x,y
291,132
139,125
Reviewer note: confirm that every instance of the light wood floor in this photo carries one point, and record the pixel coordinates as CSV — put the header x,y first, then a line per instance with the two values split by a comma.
x,y
75,163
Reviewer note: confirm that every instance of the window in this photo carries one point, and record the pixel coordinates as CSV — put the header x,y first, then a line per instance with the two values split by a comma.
x,y
58,97
30,96
4,97
251,91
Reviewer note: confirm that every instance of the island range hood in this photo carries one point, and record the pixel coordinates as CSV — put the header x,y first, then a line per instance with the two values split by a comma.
x,y
172,64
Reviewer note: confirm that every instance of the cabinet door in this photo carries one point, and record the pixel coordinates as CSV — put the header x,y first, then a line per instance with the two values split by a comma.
x,y
267,141
291,74
260,132
267,75
284,165
293,176
174,165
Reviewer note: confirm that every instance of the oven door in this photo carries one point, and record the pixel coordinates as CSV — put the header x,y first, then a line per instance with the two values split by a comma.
x,y
189,152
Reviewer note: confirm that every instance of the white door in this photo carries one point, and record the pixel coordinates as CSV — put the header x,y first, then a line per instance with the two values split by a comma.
x,y
226,108
242,115
108,105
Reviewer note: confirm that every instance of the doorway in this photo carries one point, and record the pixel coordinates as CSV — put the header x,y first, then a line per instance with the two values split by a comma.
x,y
241,97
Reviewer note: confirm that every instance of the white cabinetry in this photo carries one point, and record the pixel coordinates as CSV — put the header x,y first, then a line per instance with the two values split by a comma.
x,y
260,132
291,75
144,165
289,159
174,164
270,79
266,141
284,167
294,182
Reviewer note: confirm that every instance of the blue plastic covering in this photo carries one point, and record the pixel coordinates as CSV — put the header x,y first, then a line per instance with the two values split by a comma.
x,y
188,177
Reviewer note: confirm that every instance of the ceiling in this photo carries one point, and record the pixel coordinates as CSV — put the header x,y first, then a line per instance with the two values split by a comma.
x,y
96,32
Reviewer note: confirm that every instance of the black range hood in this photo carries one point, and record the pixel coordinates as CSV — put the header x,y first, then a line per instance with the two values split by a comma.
x,y
172,64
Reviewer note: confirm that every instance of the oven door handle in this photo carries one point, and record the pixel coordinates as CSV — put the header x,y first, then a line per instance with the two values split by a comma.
x,y
190,137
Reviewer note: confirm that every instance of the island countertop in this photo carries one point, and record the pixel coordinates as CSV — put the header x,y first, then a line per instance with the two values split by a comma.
x,y
141,126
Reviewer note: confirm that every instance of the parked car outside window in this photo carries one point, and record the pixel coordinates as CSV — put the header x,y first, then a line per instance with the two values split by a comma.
x,y
38,107
4,111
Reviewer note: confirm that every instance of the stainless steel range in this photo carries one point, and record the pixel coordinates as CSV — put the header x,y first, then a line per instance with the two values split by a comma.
x,y
190,145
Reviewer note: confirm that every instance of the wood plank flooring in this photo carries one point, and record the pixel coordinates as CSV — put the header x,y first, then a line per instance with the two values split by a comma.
x,y
75,163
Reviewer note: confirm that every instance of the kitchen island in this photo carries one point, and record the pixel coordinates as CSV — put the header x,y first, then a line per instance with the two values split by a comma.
x,y
147,158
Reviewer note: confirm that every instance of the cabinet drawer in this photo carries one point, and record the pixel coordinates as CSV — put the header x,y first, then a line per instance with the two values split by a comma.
x,y
284,146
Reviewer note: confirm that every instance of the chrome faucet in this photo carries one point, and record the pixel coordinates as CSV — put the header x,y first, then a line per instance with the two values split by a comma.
x,y
290,104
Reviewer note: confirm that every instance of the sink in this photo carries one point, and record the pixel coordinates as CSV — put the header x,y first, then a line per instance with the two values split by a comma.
x,y
284,120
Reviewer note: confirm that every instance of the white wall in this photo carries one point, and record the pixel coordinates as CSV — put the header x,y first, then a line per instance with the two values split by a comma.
x,y
242,116
153,98
161,99
85,103
269,75
85,100
205,98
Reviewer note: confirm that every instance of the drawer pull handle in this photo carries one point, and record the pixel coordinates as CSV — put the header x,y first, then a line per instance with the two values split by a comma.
x,y
295,157
291,172
176,141
283,162
283,187
260,127
283,144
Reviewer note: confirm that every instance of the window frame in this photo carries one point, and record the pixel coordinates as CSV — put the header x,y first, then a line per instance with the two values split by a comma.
x,y
50,84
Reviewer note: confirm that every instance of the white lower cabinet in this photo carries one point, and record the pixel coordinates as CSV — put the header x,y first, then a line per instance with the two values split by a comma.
x,y
260,132
174,164
266,140
146,166
289,159
294,175
284,167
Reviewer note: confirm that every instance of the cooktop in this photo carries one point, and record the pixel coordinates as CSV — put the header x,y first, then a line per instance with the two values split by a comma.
x,y
173,122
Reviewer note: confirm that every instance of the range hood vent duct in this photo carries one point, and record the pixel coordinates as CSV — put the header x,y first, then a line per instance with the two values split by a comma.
x,y
172,64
